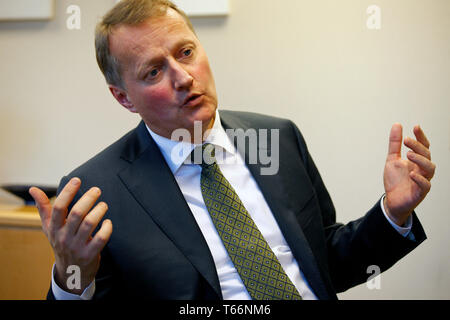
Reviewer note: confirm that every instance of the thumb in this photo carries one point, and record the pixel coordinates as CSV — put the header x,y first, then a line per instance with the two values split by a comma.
x,y
395,142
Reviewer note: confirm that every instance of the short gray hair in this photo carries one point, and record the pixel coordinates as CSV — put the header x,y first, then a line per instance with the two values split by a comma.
x,y
126,12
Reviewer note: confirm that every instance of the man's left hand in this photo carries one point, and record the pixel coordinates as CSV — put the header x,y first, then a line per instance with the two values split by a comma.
x,y
406,181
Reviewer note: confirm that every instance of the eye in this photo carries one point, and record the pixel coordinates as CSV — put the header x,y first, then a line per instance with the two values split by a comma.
x,y
187,52
153,73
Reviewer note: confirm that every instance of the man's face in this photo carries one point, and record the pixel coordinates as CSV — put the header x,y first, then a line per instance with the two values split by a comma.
x,y
166,74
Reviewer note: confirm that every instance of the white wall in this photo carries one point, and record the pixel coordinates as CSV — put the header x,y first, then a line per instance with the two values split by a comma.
x,y
314,62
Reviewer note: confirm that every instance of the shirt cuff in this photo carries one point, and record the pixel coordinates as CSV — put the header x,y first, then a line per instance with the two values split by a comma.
x,y
60,294
406,229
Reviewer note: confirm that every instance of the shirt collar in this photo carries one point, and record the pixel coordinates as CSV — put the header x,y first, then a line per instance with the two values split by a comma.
x,y
176,152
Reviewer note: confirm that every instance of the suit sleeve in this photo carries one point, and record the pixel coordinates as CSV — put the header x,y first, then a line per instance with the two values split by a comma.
x,y
353,247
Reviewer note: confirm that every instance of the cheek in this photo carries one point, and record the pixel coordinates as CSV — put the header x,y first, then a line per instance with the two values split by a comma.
x,y
204,71
159,94
155,97
206,77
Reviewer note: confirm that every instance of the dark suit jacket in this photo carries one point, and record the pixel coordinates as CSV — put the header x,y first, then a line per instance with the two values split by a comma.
x,y
157,250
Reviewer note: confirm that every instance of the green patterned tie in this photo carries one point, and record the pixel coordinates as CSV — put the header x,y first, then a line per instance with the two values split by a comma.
x,y
255,262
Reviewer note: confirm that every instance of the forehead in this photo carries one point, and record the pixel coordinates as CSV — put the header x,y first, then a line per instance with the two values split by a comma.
x,y
155,34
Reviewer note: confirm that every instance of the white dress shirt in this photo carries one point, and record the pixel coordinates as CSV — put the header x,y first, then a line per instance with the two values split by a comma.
x,y
236,172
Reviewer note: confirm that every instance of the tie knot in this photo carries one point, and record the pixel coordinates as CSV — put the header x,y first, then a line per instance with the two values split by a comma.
x,y
204,156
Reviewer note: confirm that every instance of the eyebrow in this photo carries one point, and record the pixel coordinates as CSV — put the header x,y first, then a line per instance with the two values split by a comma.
x,y
143,67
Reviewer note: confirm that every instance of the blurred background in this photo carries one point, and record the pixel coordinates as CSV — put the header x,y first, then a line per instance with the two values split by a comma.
x,y
344,74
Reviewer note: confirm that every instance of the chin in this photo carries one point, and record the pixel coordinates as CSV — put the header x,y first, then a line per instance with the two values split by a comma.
x,y
204,115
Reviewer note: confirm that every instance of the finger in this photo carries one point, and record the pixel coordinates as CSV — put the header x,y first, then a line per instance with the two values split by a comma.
x,y
420,136
395,142
425,165
80,209
43,205
90,222
422,182
62,202
417,147
101,238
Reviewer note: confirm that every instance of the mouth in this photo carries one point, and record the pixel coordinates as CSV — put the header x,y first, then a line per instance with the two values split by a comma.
x,y
192,100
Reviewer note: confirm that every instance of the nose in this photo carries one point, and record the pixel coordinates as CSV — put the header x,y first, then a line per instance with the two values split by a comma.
x,y
180,76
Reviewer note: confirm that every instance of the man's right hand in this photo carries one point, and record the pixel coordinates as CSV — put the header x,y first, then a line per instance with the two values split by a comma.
x,y
70,233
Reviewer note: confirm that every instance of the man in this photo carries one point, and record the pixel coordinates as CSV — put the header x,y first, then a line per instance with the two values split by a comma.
x,y
167,243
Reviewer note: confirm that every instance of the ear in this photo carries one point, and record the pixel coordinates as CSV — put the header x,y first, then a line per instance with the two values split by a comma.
x,y
121,96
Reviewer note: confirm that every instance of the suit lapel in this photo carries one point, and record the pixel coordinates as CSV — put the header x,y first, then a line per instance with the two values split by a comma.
x,y
273,189
146,163
153,185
